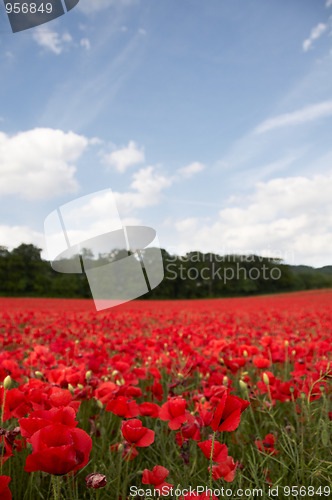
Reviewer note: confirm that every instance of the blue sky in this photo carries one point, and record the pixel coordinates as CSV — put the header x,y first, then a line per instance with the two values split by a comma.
x,y
210,121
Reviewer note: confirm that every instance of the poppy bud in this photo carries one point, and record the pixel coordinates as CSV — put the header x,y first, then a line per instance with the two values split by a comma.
x,y
88,375
243,385
39,374
100,404
245,354
71,389
286,343
225,381
95,480
7,382
266,379
80,386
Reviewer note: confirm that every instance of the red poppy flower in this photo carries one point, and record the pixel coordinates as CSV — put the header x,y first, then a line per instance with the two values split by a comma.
x,y
134,433
8,442
188,431
130,391
225,470
286,391
43,418
219,450
234,364
262,362
155,373
227,415
122,407
60,397
16,404
149,410
157,390
157,477
174,410
204,411
6,447
106,392
5,493
268,444
58,449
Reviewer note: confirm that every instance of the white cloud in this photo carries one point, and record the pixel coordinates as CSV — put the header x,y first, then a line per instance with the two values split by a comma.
x,y
316,32
51,40
99,213
12,236
96,210
125,157
85,42
289,218
142,31
191,169
89,6
328,3
37,164
146,191
307,114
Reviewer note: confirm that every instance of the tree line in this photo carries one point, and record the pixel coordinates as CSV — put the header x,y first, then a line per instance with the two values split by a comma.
x,y
23,273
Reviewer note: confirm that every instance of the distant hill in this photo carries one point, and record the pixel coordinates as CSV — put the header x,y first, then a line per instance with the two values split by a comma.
x,y
327,270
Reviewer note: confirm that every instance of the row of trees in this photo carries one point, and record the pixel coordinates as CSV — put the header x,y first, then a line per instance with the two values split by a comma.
x,y
196,275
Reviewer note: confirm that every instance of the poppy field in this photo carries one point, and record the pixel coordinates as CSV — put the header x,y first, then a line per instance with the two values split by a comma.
x,y
209,399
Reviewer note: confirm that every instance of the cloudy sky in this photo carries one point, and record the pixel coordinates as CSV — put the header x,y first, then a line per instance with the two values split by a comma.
x,y
210,121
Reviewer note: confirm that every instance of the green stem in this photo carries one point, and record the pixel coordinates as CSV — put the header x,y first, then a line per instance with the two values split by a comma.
x,y
119,475
3,437
56,487
126,472
211,460
71,485
286,362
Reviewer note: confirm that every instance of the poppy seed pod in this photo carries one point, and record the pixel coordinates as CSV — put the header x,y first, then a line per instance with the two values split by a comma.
x,y
95,480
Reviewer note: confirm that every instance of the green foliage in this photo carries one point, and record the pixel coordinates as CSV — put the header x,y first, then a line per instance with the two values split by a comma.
x,y
192,276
